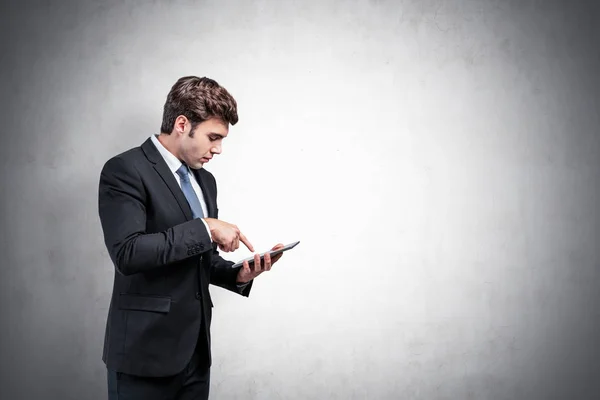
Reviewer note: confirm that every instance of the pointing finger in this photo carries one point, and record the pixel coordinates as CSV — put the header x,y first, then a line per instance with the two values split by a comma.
x,y
246,242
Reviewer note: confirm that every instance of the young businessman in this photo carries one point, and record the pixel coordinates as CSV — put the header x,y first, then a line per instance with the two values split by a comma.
x,y
159,215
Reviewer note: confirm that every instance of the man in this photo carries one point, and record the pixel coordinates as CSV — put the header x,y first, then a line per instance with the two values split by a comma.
x,y
159,215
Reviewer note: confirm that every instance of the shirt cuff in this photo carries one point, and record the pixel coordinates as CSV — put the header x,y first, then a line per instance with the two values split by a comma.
x,y
241,285
207,229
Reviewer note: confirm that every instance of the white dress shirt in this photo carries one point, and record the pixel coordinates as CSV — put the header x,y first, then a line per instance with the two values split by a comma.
x,y
174,164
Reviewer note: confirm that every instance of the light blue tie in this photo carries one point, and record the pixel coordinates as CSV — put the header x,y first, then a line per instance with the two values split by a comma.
x,y
188,191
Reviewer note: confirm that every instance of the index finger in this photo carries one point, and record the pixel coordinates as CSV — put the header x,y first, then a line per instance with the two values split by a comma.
x,y
246,242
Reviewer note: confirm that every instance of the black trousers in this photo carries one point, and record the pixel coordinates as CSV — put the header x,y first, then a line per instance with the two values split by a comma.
x,y
193,383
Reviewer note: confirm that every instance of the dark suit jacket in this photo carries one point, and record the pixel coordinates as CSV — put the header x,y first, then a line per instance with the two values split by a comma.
x,y
164,261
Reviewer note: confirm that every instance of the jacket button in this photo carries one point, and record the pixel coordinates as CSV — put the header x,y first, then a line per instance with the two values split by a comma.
x,y
198,295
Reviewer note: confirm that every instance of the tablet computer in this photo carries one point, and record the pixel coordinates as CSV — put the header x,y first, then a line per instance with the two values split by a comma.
x,y
262,255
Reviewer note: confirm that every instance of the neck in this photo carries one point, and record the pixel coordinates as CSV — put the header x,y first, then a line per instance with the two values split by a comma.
x,y
166,141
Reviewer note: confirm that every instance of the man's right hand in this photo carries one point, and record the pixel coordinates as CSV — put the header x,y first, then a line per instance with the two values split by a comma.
x,y
226,235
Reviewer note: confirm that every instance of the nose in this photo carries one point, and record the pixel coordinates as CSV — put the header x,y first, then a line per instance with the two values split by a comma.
x,y
216,149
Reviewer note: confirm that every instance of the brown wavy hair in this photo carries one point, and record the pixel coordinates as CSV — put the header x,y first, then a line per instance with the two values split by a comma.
x,y
198,99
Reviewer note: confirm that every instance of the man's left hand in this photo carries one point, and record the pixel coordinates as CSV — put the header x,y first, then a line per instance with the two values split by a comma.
x,y
249,272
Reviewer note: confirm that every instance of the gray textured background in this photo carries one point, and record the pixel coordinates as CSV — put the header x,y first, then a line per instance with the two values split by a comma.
x,y
444,158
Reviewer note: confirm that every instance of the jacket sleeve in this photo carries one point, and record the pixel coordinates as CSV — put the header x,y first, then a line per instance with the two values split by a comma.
x,y
222,274
122,209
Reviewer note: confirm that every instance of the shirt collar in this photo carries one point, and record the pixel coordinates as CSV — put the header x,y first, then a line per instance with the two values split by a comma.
x,y
172,162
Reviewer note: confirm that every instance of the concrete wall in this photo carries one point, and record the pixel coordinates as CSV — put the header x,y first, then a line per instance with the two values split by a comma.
x,y
438,160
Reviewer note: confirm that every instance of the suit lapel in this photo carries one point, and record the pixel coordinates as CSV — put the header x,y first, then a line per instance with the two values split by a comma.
x,y
167,176
206,191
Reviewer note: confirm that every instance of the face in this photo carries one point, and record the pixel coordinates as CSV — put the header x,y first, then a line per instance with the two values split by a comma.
x,y
206,142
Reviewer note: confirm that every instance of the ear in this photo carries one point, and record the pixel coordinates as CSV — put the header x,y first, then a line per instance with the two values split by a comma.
x,y
181,123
